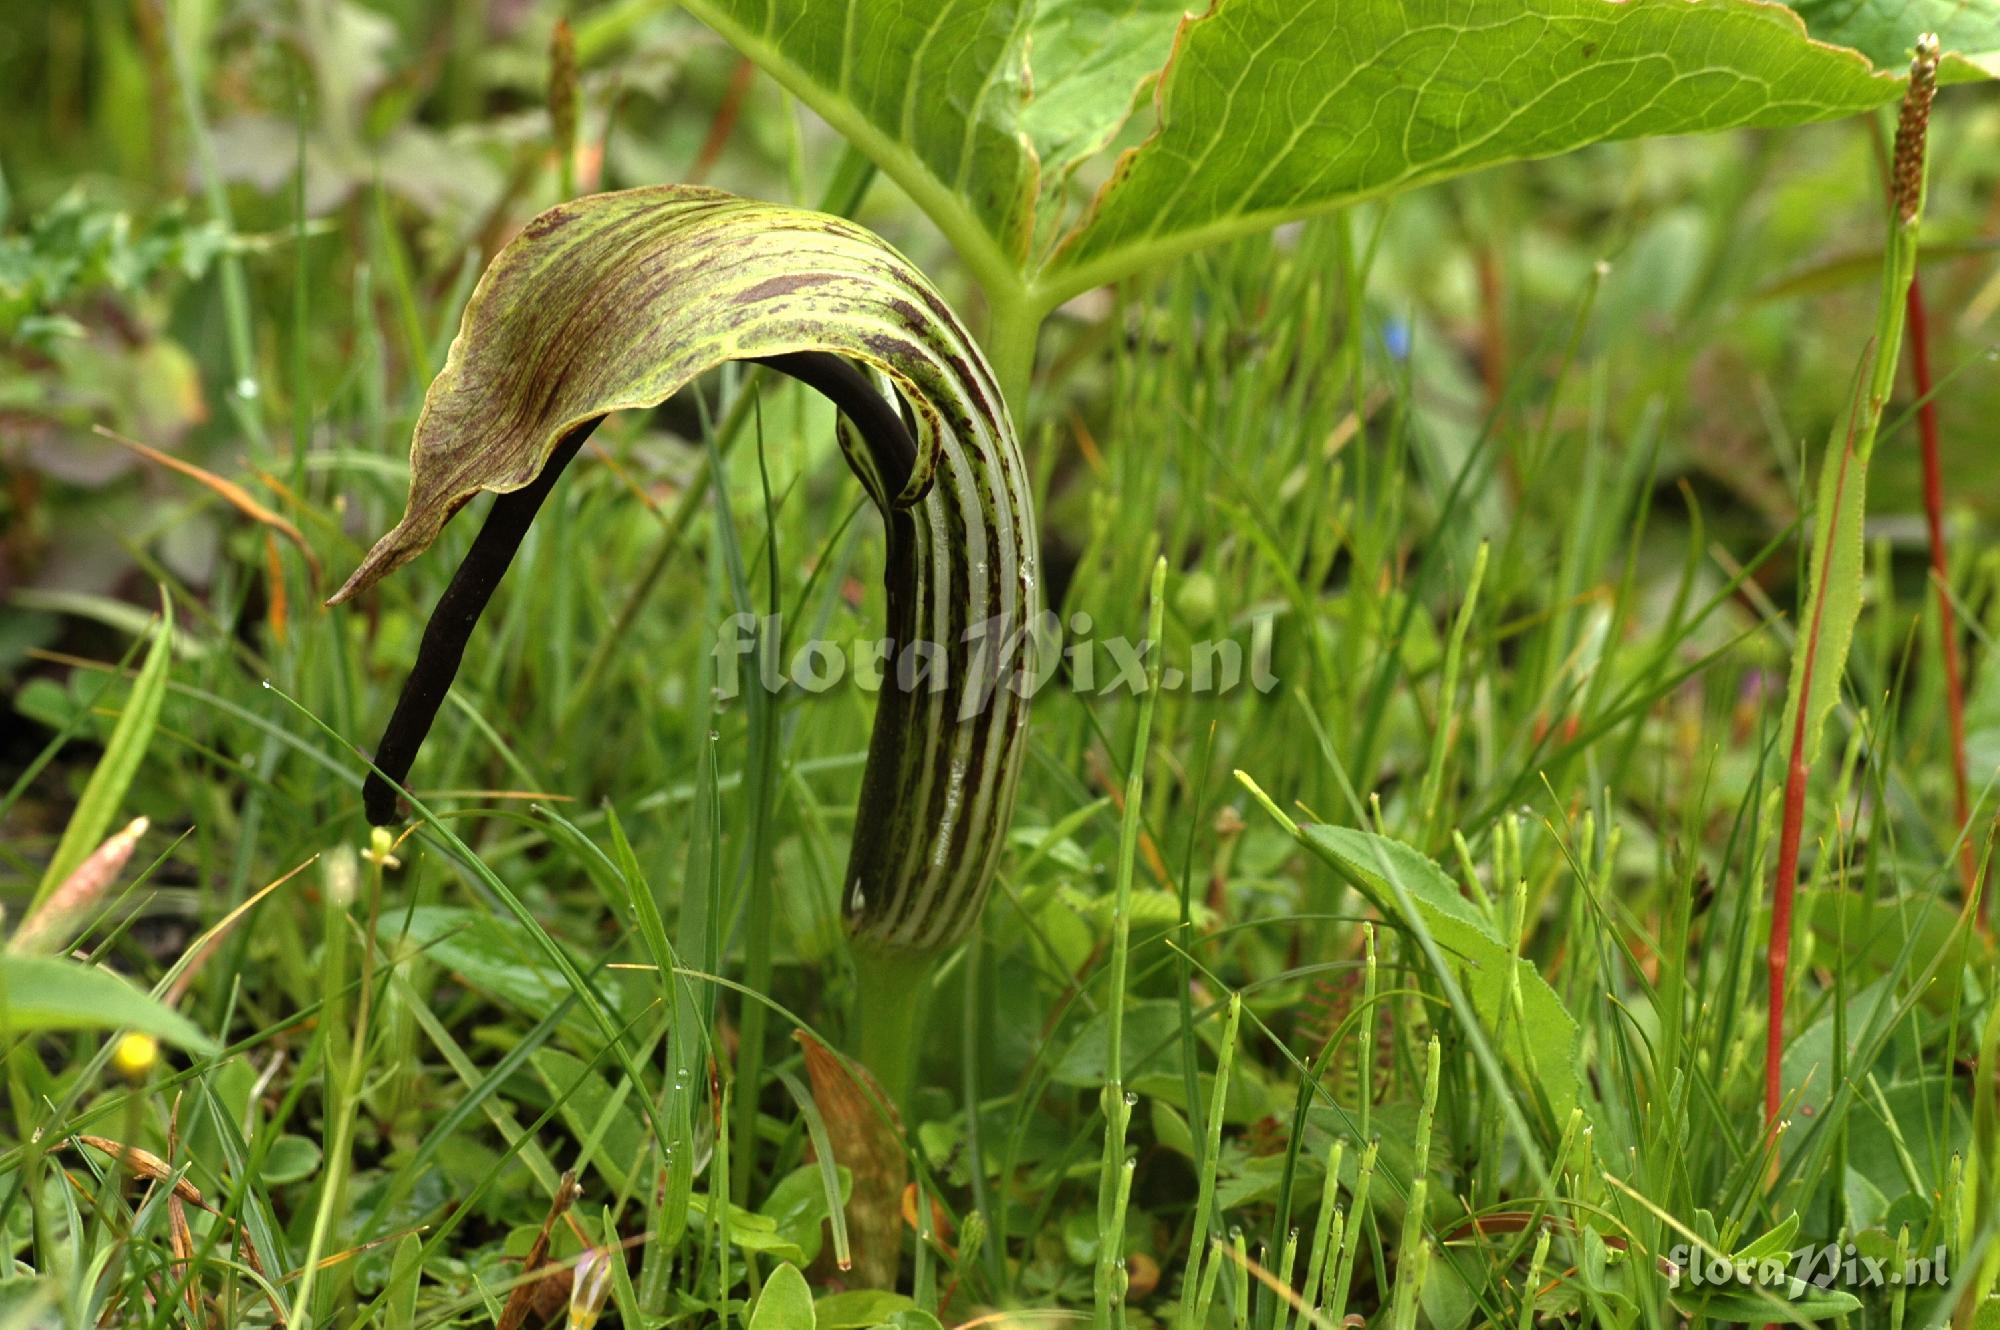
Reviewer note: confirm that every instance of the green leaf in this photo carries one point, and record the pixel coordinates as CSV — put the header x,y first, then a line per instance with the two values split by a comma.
x,y
860,1308
1872,935
798,1205
927,88
786,1302
1832,601
42,993
1272,111
290,1159
491,954
1148,1044
1089,61
1797,1303
112,778
1886,30
1539,1039
1269,111
586,1098
406,1272
1774,1242
913,1318
752,1232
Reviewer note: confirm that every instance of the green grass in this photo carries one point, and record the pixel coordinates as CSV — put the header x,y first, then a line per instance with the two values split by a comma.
x,y
1536,637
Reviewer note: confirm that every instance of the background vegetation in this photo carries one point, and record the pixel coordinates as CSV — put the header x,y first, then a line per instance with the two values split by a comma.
x,y
1509,471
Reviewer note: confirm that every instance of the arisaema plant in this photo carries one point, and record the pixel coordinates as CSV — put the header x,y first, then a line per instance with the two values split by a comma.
x,y
617,301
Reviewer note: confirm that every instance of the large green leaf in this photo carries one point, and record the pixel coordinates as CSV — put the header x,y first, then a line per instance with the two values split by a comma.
x,y
45,993
1884,30
928,88
1088,61
1537,1037
1273,110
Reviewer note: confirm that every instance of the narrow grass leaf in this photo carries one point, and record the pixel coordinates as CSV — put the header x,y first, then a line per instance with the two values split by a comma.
x,y
114,772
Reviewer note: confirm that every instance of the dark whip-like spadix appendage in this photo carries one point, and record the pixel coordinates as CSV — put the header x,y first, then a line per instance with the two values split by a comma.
x,y
616,301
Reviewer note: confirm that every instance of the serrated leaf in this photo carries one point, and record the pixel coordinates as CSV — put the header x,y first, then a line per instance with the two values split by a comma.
x,y
1538,1040
45,993
1272,111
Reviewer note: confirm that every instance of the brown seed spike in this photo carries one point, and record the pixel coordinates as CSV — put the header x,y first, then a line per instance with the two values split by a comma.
x,y
1912,128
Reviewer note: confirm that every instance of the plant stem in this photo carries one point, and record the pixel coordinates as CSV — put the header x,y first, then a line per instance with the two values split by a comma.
x,y
1114,1188
1954,688
1844,474
1013,328
891,986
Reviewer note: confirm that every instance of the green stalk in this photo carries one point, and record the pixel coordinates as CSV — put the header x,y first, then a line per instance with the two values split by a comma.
x,y
1832,599
344,1058
1115,1177
1211,1158
1013,329
1350,1237
1324,1239
891,987
1454,658
563,105
1413,1251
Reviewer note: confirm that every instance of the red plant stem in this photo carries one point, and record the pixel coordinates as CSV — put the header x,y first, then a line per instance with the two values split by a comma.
x,y
1778,958
1954,688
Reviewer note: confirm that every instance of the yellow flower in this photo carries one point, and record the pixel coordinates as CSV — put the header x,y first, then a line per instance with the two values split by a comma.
x,y
135,1055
